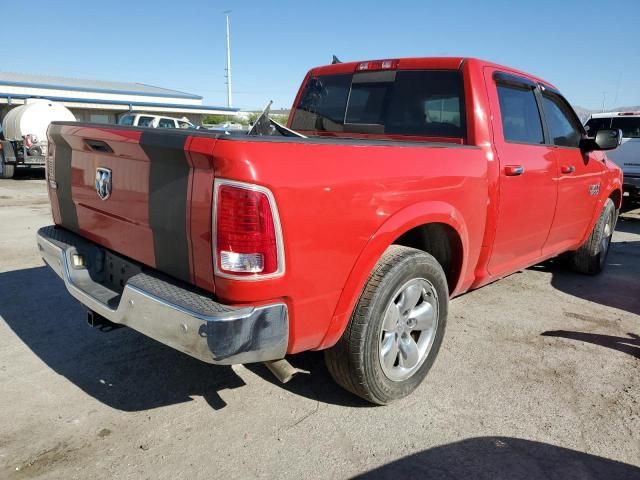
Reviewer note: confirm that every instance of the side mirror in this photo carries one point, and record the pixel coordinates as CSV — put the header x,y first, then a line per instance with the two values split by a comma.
x,y
604,140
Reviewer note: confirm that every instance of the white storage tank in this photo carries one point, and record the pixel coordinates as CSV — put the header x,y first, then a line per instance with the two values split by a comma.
x,y
33,118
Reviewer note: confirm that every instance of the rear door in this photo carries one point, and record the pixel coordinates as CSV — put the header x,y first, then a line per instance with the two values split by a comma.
x,y
528,190
579,174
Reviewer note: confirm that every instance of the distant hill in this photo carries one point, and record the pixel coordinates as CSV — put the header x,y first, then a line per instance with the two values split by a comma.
x,y
584,113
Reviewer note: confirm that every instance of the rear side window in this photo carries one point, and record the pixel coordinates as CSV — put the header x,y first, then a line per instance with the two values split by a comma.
x,y
126,120
166,123
520,115
145,121
413,102
564,127
322,104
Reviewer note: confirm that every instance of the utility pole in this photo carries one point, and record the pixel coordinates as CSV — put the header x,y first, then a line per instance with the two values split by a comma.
x,y
229,99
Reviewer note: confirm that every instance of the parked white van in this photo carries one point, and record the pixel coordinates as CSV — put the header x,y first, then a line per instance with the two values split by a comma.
x,y
627,155
154,121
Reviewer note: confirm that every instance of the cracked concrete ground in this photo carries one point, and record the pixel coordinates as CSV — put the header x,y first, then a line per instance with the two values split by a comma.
x,y
538,377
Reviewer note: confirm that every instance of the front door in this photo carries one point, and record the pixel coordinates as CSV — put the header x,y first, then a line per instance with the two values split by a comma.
x,y
528,190
579,175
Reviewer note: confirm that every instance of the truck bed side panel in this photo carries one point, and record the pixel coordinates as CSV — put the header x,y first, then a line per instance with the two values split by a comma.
x,y
332,198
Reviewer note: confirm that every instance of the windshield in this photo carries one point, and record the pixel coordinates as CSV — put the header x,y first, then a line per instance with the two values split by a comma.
x,y
630,126
412,102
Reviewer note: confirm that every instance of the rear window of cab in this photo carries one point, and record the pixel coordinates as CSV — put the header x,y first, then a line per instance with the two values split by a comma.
x,y
426,103
630,126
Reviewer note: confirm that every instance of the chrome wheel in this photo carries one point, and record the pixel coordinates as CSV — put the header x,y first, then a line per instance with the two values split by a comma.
x,y
408,329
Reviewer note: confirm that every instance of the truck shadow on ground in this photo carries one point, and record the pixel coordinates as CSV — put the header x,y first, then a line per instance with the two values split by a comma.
x,y
629,345
617,286
317,384
123,368
29,174
498,458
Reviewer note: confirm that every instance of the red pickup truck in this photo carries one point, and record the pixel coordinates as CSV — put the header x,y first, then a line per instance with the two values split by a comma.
x,y
410,181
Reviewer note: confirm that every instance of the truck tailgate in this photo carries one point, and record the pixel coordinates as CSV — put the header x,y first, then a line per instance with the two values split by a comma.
x,y
127,190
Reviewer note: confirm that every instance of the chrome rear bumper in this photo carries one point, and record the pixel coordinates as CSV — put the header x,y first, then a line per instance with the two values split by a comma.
x,y
167,311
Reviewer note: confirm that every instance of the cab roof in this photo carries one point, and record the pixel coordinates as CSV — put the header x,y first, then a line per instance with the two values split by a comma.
x,y
416,63
615,114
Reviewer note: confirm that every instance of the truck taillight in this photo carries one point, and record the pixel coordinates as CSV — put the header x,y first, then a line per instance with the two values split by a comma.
x,y
248,239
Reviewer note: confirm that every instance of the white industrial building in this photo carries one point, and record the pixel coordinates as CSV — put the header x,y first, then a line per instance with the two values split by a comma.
x,y
103,101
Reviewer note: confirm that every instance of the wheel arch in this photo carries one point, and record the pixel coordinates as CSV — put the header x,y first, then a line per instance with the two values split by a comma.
x,y
616,196
411,226
611,189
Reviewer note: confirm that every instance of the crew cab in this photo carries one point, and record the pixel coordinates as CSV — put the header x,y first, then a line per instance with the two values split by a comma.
x,y
395,186
627,156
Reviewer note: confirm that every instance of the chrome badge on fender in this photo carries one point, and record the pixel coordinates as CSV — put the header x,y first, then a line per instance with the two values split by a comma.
x,y
594,189
103,182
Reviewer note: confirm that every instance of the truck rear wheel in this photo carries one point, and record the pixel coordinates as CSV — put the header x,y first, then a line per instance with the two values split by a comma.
x,y
590,258
396,329
6,171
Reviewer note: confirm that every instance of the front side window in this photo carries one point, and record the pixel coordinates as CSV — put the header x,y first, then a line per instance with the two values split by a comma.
x,y
166,123
564,127
520,116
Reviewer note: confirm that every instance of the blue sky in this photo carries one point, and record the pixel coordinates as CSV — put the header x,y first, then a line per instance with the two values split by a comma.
x,y
583,47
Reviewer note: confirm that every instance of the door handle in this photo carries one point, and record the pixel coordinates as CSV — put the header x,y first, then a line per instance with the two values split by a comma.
x,y
513,170
567,169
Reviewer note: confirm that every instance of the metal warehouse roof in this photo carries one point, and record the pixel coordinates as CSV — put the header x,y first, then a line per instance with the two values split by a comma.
x,y
98,86
128,105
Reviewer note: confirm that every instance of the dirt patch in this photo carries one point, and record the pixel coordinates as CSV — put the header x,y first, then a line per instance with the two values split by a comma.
x,y
45,461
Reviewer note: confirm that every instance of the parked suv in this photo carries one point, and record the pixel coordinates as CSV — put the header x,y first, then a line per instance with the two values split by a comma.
x,y
627,155
154,121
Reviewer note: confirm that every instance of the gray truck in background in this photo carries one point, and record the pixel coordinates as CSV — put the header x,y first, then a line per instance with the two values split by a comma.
x,y
627,155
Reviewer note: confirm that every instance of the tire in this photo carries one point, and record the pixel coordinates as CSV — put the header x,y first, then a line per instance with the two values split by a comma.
x,y
591,256
384,354
6,171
